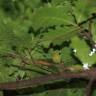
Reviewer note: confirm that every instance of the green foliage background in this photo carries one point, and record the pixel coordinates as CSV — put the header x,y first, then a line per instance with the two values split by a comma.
x,y
46,27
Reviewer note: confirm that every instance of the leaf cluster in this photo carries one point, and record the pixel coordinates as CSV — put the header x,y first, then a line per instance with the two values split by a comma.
x,y
46,31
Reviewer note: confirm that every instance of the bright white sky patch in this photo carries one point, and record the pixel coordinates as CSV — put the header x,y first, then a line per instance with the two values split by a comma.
x,y
74,50
94,50
85,66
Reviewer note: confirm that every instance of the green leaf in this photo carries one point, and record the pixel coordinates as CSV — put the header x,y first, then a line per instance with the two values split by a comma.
x,y
93,30
52,16
83,51
67,57
59,35
83,9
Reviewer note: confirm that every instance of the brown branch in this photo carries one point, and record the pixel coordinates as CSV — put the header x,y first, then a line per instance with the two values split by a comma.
x,y
45,79
39,80
38,63
89,87
28,61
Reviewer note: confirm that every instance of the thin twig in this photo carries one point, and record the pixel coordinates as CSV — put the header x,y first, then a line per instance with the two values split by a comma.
x,y
38,63
91,18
